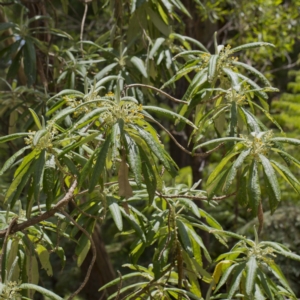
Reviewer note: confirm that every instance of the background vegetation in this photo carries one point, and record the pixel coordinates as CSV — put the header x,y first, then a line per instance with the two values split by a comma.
x,y
113,171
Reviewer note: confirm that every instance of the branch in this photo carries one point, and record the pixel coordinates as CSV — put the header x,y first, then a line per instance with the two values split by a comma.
x,y
87,276
155,89
46,215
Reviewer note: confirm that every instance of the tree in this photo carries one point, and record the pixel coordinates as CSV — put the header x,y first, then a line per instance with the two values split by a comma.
x,y
96,116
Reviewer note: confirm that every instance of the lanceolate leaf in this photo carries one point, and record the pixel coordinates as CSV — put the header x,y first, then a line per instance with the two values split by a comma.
x,y
221,140
251,269
43,291
158,151
233,171
265,284
184,237
38,173
100,163
115,212
236,279
29,61
224,162
36,119
254,187
250,45
139,64
134,159
279,275
125,189
14,136
286,140
253,71
12,159
271,176
287,175
212,67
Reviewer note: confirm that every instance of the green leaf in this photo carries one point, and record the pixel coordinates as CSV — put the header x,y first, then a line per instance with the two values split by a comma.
x,y
134,224
44,258
29,61
39,135
12,159
198,81
183,39
253,71
134,159
236,279
48,186
235,166
43,291
38,173
14,136
69,92
190,205
224,162
82,140
265,284
287,175
251,270
100,164
233,78
225,276
184,237
286,140
139,64
23,170
105,70
4,26
221,140
271,176
148,174
212,67
158,42
115,212
279,275
250,46
253,188
83,253
210,220
117,280
158,151
36,119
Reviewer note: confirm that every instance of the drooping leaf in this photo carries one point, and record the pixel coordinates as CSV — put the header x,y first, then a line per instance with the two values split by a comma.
x,y
100,164
251,269
271,176
253,187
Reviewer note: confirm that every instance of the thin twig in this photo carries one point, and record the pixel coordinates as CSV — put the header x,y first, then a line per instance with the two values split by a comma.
x,y
87,276
46,215
289,66
155,89
82,25
205,154
119,285
8,230
87,214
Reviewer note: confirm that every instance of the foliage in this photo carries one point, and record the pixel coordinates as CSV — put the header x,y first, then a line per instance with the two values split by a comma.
x,y
94,152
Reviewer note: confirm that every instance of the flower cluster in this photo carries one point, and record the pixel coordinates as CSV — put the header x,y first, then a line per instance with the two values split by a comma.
x,y
259,142
128,111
